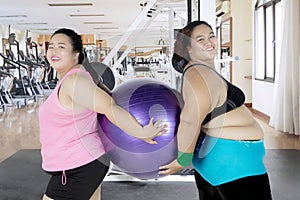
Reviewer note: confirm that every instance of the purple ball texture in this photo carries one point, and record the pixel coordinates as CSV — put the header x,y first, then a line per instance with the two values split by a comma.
x,y
143,98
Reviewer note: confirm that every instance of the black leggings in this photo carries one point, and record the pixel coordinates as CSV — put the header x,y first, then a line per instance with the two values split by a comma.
x,y
81,182
248,188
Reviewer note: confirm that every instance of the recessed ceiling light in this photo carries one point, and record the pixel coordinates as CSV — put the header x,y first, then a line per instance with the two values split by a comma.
x,y
97,22
34,23
111,33
99,28
69,4
86,15
12,16
42,29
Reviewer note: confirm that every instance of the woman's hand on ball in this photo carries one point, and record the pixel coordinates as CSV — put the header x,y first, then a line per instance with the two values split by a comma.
x,y
171,168
152,130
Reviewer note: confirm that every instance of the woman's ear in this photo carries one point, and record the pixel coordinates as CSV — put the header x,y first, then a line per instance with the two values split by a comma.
x,y
189,50
76,56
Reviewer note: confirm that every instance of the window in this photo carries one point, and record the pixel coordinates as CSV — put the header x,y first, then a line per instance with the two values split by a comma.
x,y
267,38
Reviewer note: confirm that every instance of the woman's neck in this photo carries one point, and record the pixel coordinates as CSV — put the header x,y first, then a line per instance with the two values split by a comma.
x,y
209,63
61,74
201,62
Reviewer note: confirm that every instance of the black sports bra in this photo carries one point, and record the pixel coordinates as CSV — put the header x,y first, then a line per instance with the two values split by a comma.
x,y
235,98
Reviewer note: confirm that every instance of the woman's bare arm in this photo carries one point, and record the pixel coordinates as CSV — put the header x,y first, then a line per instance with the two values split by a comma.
x,y
85,94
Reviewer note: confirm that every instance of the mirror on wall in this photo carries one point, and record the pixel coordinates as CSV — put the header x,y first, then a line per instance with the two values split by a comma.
x,y
225,39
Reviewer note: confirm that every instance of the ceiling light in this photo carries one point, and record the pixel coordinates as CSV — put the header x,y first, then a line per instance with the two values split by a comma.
x,y
110,33
86,15
34,23
69,4
97,22
99,28
42,29
12,16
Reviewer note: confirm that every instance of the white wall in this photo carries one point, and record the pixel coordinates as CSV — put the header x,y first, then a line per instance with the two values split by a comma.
x,y
242,45
207,12
262,96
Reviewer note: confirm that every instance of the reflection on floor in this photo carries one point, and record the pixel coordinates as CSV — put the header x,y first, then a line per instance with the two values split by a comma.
x,y
19,129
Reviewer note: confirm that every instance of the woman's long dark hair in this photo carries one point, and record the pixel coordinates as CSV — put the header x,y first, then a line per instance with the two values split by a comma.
x,y
181,56
75,41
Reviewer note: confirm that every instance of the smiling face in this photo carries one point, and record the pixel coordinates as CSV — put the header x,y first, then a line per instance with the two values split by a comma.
x,y
204,44
60,53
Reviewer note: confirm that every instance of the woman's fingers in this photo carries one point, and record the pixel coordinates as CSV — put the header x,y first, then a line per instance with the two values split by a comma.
x,y
150,141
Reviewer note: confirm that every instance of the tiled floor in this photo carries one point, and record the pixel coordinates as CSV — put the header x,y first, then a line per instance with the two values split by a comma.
x,y
19,129
279,140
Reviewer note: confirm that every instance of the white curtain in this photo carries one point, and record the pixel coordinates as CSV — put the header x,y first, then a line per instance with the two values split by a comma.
x,y
286,116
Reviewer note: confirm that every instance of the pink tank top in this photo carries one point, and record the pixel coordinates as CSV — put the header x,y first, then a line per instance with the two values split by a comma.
x,y
69,139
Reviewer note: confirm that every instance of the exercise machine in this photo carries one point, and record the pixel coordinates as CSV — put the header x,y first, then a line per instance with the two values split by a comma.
x,y
22,92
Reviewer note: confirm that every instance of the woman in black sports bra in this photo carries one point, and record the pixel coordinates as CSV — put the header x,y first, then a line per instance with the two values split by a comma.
x,y
217,133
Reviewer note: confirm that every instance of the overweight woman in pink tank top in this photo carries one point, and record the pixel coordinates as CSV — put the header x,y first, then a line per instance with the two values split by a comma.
x,y
72,152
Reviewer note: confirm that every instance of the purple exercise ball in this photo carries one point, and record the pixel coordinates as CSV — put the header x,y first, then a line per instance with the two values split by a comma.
x,y
143,98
